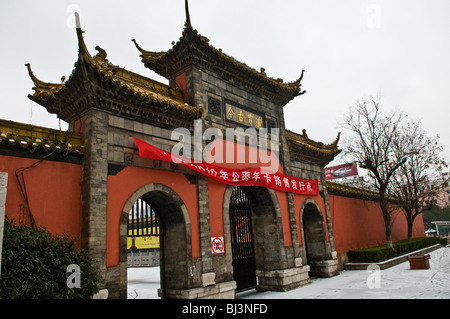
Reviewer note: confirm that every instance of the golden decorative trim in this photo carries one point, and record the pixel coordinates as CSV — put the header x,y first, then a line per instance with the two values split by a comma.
x,y
349,191
39,138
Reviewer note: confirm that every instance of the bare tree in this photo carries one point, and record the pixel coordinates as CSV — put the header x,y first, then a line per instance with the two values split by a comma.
x,y
417,183
373,137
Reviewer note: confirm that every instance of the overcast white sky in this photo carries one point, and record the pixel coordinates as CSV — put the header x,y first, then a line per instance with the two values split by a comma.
x,y
348,49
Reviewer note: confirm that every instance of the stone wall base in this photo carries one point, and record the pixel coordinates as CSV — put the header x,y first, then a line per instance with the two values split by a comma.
x,y
324,268
224,290
283,280
102,294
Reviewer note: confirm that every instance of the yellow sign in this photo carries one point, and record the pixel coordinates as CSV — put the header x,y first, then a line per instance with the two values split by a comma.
x,y
146,242
143,242
238,115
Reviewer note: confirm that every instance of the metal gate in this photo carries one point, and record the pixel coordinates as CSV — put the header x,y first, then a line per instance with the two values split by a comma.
x,y
241,228
144,221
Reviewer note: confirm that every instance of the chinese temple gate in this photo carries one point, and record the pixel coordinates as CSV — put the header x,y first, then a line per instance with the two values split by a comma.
x,y
282,236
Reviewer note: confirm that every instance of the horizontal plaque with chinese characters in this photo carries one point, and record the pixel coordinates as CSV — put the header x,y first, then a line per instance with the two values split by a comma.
x,y
243,117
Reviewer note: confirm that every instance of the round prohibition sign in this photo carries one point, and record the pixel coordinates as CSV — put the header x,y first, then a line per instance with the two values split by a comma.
x,y
217,246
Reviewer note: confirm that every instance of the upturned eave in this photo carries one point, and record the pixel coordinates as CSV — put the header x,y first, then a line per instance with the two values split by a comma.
x,y
98,83
195,49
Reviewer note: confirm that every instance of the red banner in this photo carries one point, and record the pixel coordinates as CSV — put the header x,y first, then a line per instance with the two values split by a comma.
x,y
255,176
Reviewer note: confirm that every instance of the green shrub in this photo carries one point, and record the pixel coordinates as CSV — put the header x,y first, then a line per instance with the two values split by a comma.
x,y
381,253
373,254
404,246
34,265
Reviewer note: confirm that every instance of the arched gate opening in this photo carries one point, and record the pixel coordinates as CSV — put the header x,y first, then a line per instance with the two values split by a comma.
x,y
145,243
315,240
254,235
157,210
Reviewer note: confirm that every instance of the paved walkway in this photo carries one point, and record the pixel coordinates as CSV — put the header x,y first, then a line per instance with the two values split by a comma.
x,y
398,282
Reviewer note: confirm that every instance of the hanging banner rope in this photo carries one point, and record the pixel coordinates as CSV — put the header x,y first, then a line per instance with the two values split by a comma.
x,y
255,176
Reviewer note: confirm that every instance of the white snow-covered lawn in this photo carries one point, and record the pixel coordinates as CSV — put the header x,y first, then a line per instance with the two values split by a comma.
x,y
398,282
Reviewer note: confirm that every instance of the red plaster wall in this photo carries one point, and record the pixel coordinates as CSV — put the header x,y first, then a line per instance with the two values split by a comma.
x,y
182,84
358,224
218,150
216,191
129,180
54,193
282,200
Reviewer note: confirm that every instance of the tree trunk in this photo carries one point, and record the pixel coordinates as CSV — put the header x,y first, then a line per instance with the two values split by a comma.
x,y
410,219
387,222
408,212
410,229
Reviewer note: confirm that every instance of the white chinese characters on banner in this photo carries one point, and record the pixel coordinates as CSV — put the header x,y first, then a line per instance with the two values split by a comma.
x,y
254,176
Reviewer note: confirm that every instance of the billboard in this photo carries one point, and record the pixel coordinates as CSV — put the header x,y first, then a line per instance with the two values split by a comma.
x,y
340,171
144,242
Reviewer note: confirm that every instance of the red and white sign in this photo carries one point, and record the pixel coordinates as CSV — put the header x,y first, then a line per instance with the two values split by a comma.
x,y
217,246
340,171
255,176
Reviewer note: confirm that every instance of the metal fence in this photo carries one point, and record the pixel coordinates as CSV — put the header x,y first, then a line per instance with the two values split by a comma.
x,y
143,259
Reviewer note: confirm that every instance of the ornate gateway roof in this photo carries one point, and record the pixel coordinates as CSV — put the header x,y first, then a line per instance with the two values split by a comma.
x,y
97,83
193,48
301,147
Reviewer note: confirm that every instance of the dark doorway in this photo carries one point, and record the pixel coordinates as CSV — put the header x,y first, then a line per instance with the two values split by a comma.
x,y
314,232
242,243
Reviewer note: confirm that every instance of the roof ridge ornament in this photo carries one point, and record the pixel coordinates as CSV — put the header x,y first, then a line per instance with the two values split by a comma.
x,y
188,18
101,53
82,49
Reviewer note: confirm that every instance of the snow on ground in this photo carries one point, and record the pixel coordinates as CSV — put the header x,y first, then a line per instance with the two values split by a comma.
x,y
398,282
143,282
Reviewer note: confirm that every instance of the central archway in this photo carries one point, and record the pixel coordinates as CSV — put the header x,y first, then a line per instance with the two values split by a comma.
x,y
258,223
176,247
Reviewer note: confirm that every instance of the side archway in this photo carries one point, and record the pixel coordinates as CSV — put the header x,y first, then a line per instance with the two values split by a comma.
x,y
176,245
313,235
